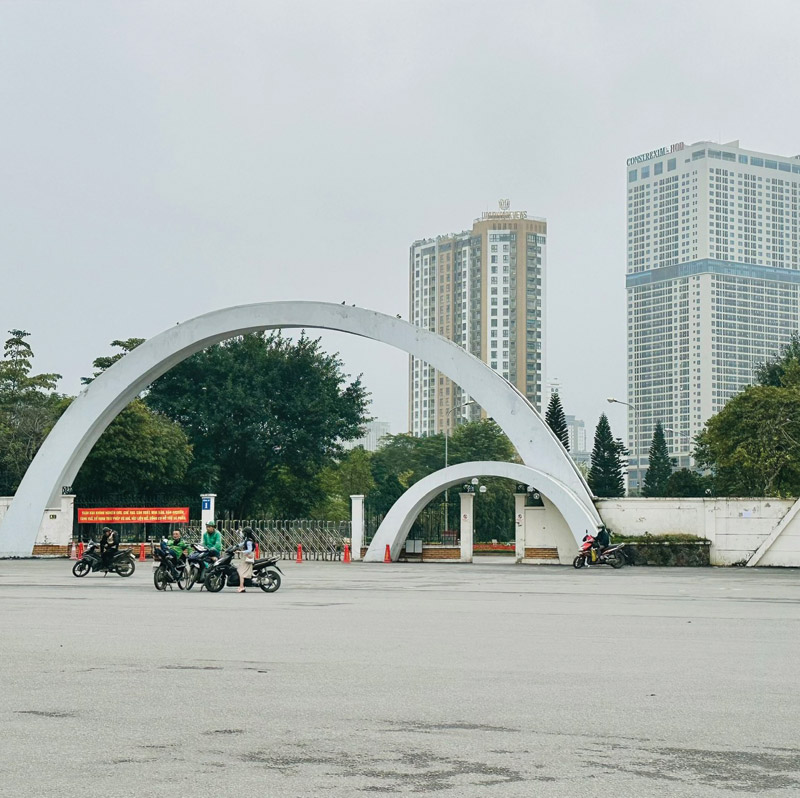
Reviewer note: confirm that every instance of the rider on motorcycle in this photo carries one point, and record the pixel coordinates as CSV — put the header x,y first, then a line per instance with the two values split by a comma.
x,y
603,539
109,546
178,546
212,539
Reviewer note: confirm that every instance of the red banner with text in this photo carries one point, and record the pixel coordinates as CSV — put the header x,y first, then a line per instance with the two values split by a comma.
x,y
133,515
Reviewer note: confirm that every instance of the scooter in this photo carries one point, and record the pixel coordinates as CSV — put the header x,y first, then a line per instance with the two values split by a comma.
x,y
590,555
123,562
198,565
266,573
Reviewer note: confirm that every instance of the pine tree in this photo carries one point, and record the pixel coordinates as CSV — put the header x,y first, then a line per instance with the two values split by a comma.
x,y
659,468
556,419
605,475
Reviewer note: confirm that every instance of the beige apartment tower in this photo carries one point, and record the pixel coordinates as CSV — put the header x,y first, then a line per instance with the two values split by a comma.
x,y
484,290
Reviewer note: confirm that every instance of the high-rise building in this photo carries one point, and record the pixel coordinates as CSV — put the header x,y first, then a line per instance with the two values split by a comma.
x,y
576,432
484,289
712,283
374,431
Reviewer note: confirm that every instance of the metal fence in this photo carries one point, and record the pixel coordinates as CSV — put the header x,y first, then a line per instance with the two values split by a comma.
x,y
321,540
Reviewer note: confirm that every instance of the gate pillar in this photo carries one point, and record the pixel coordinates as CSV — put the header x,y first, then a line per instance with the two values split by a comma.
x,y
356,526
519,526
467,500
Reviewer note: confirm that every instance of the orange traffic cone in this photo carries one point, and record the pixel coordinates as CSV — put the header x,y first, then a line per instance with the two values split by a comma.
x,y
387,557
299,552
80,550
257,555
73,552
346,553
142,556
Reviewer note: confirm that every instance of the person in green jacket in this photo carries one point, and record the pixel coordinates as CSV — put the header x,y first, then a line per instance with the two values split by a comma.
x,y
178,545
212,539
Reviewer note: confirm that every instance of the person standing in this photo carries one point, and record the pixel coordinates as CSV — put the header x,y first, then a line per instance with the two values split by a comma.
x,y
247,556
109,546
212,538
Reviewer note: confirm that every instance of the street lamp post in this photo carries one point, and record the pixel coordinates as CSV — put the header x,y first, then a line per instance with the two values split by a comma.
x,y
446,439
637,441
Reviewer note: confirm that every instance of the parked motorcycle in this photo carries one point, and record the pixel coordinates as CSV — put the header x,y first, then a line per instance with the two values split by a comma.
x,y
123,562
198,565
168,570
590,555
266,573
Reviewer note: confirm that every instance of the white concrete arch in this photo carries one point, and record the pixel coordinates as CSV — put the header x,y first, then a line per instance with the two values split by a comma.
x,y
73,437
395,527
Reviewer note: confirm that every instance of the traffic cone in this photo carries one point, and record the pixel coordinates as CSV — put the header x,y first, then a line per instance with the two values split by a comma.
x,y
80,550
257,554
387,556
73,553
142,556
299,552
346,553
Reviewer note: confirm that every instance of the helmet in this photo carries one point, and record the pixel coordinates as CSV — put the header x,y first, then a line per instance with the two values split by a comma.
x,y
212,523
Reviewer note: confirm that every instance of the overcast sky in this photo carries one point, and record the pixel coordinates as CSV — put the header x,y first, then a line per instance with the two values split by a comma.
x,y
163,159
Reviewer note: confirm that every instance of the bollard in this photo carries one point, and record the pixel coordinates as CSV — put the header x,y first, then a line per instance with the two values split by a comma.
x,y
299,552
387,556
346,553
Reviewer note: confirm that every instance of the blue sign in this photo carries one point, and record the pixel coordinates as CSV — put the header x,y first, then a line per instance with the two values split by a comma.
x,y
206,504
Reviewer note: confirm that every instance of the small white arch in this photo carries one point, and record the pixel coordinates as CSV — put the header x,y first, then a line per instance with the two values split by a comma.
x,y
395,527
70,441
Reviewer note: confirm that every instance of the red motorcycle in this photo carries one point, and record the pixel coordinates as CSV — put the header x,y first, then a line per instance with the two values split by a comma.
x,y
590,554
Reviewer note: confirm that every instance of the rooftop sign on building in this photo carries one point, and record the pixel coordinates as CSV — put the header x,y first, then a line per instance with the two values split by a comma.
x,y
504,212
646,156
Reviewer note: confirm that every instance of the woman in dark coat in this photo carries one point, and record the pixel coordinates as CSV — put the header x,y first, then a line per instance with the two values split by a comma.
x,y
109,546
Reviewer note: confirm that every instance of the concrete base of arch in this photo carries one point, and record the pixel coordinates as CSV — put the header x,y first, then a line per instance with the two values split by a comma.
x,y
395,527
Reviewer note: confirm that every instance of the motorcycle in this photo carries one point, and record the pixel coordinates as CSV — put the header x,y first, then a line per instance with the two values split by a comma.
x,y
123,562
590,555
266,573
168,570
198,565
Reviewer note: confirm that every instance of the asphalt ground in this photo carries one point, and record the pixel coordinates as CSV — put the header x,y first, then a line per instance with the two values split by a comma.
x,y
436,679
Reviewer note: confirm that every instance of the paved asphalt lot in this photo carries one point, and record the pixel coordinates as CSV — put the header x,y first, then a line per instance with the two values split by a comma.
x,y
447,680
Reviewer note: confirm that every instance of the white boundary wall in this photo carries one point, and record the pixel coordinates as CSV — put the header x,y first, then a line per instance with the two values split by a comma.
x,y
735,527
56,526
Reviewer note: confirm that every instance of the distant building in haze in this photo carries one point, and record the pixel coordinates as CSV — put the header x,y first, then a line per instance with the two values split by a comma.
x,y
373,432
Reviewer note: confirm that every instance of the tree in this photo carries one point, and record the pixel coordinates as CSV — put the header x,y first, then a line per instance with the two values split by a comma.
x,y
403,460
659,466
140,452
264,415
29,407
773,373
351,475
753,444
685,483
605,475
556,419
102,363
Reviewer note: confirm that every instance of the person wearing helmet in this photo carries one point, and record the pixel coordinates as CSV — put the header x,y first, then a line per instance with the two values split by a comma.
x,y
212,539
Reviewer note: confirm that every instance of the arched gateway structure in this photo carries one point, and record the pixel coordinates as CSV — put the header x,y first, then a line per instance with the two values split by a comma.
x,y
395,527
63,452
